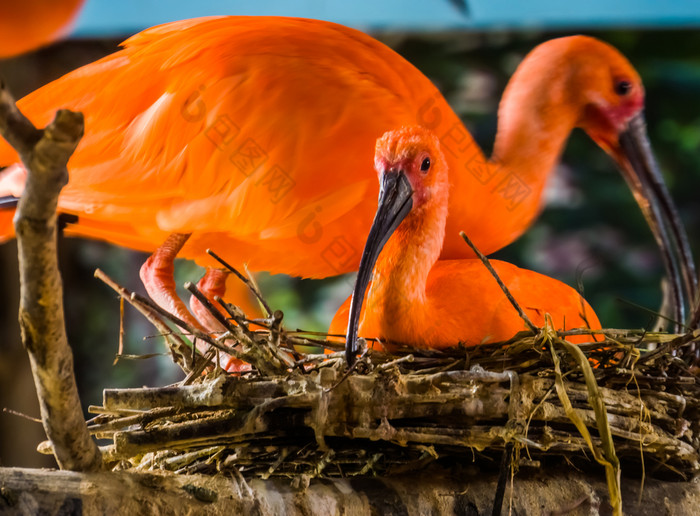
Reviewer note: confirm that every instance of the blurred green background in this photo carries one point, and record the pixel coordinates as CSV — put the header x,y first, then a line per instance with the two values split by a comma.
x,y
591,226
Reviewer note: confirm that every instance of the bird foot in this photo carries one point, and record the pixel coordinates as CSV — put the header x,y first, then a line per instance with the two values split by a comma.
x,y
212,284
157,275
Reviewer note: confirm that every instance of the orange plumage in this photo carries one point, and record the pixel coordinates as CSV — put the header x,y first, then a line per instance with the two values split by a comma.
x,y
28,24
254,137
416,300
467,306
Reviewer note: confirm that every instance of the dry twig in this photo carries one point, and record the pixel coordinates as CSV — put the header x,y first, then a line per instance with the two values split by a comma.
x,y
44,154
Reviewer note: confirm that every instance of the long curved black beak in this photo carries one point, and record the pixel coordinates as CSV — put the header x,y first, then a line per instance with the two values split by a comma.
x,y
395,202
644,178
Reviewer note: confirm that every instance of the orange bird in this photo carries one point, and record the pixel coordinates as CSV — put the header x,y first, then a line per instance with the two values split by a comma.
x,y
419,301
252,136
28,24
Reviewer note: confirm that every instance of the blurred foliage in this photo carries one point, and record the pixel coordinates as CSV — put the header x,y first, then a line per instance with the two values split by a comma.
x,y
592,227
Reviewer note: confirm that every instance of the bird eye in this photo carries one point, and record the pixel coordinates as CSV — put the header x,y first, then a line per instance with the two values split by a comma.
x,y
425,165
623,87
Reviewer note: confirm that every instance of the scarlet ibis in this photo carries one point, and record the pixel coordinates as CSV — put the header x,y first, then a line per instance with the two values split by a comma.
x,y
28,24
416,300
253,135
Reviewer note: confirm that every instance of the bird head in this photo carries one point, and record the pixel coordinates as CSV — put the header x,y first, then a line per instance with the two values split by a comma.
x,y
412,155
605,89
413,187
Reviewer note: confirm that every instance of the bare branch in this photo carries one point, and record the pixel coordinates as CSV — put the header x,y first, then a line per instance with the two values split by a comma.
x,y
251,286
505,290
45,154
181,352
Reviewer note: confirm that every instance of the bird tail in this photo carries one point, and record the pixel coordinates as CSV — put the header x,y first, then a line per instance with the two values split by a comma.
x,y
8,204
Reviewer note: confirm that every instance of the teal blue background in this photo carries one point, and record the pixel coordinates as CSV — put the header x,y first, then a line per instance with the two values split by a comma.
x,y
108,17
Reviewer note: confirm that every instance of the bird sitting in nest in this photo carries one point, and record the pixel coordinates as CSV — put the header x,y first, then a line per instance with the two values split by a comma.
x,y
418,301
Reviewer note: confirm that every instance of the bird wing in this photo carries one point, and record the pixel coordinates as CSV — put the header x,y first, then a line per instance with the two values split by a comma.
x,y
486,315
231,125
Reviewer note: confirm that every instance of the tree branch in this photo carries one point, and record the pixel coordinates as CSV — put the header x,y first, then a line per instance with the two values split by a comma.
x,y
45,154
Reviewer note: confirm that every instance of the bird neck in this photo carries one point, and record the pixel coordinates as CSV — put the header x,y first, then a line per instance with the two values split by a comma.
x,y
402,269
535,119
